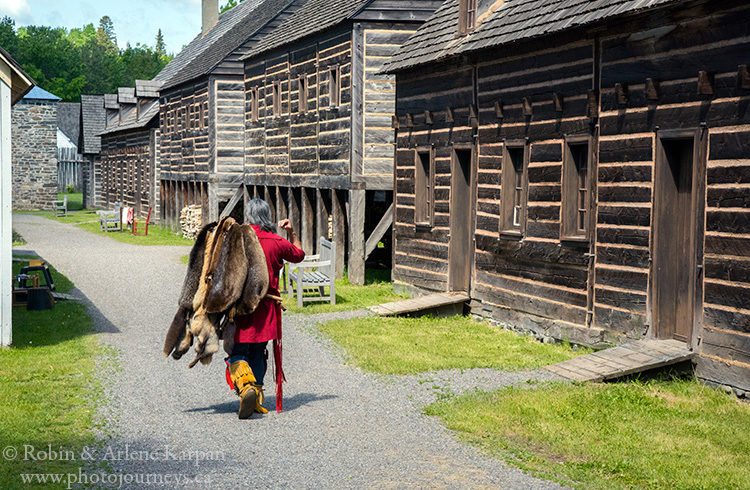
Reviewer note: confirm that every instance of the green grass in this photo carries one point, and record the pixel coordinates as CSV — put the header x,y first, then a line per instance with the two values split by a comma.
x,y
377,289
75,200
413,345
156,235
48,388
656,434
18,239
185,259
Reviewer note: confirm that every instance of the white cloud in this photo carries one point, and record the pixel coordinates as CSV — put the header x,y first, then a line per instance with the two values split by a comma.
x,y
14,8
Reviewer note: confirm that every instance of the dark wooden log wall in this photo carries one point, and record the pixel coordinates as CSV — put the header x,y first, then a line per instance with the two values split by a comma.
x,y
292,148
127,170
673,57
541,282
184,152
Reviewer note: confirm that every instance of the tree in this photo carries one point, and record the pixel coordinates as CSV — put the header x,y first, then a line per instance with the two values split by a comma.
x,y
8,39
106,33
230,4
160,48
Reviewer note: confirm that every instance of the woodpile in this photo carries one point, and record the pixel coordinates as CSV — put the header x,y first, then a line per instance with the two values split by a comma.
x,y
191,221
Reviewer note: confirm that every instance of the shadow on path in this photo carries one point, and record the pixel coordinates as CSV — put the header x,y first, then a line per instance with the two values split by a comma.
x,y
290,403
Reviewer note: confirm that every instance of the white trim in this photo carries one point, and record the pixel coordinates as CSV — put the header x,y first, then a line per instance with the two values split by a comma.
x,y
6,240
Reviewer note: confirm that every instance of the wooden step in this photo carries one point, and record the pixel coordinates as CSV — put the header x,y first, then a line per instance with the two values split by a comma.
x,y
421,304
630,358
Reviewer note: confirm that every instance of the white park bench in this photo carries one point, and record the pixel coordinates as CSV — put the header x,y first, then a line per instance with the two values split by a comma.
x,y
321,275
61,206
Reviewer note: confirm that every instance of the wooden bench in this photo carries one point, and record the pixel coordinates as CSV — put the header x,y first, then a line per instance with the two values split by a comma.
x,y
110,218
61,206
322,275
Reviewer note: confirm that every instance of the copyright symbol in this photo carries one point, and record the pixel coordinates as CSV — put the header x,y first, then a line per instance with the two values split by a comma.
x,y
10,453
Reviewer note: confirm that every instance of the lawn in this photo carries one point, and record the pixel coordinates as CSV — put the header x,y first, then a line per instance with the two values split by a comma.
x,y
75,200
664,433
156,235
377,289
414,345
48,388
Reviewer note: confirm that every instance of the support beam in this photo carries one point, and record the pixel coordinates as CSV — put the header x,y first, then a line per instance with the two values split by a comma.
x,y
270,198
357,237
281,203
246,200
213,201
379,232
239,194
338,210
6,232
322,212
308,220
295,211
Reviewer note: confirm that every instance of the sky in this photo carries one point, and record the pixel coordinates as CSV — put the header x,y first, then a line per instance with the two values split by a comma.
x,y
135,21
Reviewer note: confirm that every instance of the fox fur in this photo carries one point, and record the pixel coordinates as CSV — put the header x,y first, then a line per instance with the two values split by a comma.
x,y
227,275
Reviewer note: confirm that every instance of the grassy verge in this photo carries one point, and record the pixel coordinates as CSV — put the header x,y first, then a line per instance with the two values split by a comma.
x,y
377,289
18,239
156,236
413,345
185,259
47,386
657,434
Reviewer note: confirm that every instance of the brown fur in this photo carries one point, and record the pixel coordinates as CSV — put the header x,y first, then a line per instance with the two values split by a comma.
x,y
256,280
177,329
195,267
229,272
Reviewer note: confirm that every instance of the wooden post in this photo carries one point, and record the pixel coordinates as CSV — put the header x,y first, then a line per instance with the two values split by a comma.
x,y
338,209
6,250
246,201
295,211
281,204
213,201
270,198
357,237
323,212
308,220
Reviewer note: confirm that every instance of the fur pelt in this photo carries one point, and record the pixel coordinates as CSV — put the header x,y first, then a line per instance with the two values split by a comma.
x,y
227,275
256,281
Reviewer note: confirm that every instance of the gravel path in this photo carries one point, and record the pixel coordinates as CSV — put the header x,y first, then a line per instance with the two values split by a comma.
x,y
341,427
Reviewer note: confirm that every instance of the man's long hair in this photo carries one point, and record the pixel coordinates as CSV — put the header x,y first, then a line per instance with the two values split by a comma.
x,y
260,215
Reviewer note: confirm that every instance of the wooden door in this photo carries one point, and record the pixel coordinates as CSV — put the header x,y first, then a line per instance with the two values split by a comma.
x,y
461,221
675,237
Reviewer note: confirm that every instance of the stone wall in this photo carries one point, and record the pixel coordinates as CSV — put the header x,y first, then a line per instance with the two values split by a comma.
x,y
34,154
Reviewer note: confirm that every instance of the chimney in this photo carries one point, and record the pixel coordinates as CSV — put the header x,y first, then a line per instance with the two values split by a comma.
x,y
210,15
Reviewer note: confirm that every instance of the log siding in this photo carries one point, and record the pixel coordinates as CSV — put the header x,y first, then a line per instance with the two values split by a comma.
x,y
623,91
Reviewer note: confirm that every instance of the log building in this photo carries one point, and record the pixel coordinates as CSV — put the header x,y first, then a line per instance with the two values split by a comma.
x,y
201,107
129,159
582,170
318,142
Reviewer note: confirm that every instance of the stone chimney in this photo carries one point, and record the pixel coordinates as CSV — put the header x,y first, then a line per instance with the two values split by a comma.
x,y
210,15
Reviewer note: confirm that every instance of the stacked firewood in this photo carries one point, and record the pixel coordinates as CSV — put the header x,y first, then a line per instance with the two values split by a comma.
x,y
191,221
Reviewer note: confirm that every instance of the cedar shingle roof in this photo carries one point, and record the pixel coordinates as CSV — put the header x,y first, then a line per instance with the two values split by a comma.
x,y
314,16
515,20
69,119
147,115
203,53
92,123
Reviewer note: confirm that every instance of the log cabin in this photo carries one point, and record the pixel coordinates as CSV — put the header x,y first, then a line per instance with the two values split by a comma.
x,y
582,170
318,143
129,159
201,107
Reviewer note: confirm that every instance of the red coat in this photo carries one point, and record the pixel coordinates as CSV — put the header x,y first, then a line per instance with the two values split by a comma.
x,y
261,326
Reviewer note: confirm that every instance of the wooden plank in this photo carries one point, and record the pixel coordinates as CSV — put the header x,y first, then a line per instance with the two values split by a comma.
x,y
379,231
239,194
422,303
357,237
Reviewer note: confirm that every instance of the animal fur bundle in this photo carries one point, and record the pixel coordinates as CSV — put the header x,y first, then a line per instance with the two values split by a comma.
x,y
227,276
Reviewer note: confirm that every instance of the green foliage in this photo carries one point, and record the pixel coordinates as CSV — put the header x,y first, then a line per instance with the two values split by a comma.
x,y
414,345
71,188
18,239
664,433
230,4
82,60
